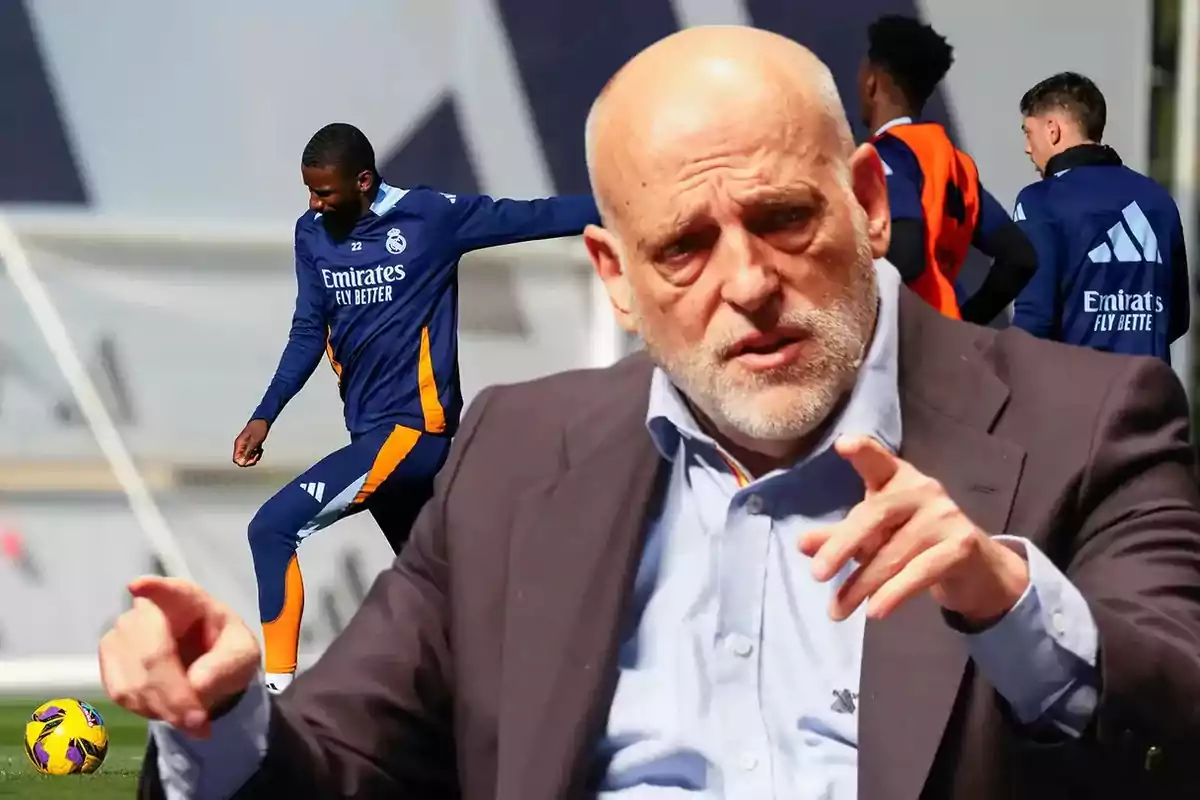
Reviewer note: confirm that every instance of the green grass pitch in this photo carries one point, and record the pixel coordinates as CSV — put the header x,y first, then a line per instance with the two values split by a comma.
x,y
117,777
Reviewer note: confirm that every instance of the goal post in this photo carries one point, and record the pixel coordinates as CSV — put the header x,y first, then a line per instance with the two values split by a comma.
x,y
153,525
132,352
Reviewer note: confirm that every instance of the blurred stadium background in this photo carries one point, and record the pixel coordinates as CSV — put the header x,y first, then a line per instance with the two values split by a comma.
x,y
149,180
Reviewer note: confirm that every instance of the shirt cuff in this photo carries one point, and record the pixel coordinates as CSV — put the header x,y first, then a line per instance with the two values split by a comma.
x,y
1042,654
216,767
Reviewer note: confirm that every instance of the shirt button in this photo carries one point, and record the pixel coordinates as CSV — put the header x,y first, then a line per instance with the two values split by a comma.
x,y
739,645
1059,622
748,761
754,504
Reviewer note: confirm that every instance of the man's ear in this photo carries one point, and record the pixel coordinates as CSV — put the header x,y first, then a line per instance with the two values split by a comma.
x,y
605,252
1053,131
870,188
364,180
870,83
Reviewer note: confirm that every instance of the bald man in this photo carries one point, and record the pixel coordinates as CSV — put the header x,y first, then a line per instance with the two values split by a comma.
x,y
817,542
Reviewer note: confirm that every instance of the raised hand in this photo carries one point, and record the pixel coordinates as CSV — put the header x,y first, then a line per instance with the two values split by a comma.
x,y
908,536
177,655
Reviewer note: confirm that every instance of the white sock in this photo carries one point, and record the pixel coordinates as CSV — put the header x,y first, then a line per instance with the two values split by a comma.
x,y
278,681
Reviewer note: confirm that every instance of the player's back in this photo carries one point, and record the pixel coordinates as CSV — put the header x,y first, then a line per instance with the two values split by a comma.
x,y
1111,234
389,292
947,182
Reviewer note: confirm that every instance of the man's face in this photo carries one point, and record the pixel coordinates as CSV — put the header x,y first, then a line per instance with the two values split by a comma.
x,y
334,195
748,267
1041,139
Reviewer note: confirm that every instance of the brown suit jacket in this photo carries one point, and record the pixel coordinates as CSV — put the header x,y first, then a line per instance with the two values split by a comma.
x,y
482,663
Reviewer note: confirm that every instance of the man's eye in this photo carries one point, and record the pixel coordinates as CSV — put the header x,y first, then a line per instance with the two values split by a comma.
x,y
678,250
684,247
784,218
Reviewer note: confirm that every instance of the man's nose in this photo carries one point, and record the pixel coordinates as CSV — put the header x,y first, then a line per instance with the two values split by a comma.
x,y
753,280
315,203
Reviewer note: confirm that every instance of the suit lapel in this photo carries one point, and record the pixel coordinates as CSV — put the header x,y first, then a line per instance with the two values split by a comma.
x,y
575,549
913,663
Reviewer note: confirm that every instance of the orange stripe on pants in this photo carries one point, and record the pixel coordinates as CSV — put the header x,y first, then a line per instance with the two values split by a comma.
x,y
281,636
398,445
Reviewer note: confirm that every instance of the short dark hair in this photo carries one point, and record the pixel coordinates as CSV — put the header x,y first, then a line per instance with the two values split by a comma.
x,y
1074,93
915,55
341,146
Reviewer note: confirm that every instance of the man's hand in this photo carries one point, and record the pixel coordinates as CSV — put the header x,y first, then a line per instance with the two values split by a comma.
x,y
247,447
177,654
908,536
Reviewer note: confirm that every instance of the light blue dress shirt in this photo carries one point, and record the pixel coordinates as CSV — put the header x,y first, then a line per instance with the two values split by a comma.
x,y
735,683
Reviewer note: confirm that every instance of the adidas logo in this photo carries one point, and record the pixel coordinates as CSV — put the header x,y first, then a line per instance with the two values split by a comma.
x,y
317,490
1130,241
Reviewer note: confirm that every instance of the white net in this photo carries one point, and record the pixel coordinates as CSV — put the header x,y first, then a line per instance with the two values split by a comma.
x,y
177,331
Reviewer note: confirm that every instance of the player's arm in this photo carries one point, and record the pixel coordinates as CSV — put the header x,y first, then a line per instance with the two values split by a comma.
x,y
1014,261
1037,308
480,221
1181,286
906,251
306,340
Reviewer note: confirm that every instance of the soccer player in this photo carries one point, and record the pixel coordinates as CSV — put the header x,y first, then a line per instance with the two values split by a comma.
x,y
939,208
377,294
1112,267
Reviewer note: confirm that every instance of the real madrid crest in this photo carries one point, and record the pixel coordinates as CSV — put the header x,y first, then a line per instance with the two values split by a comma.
x,y
395,243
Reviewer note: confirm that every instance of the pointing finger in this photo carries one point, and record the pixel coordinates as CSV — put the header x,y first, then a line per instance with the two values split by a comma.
x,y
873,462
180,602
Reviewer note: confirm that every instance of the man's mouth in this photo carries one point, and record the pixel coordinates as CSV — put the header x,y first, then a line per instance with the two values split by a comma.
x,y
765,351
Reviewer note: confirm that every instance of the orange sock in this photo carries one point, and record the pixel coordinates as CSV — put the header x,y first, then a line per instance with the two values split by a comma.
x,y
281,636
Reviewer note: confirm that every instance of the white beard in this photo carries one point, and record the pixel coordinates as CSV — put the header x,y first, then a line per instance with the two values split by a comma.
x,y
790,402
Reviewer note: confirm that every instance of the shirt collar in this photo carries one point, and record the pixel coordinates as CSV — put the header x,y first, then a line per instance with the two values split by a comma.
x,y
872,410
893,123
1082,155
386,198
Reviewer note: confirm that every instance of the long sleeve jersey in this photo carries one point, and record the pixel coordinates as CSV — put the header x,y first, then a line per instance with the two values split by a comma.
x,y
1112,266
382,303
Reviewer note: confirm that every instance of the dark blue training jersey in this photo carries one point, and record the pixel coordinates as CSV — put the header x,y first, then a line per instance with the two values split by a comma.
x,y
382,304
1112,267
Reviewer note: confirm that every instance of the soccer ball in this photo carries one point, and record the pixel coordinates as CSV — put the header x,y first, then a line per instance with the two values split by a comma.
x,y
64,737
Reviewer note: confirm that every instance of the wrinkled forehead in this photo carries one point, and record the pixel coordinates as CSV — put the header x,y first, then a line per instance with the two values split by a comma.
x,y
676,162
